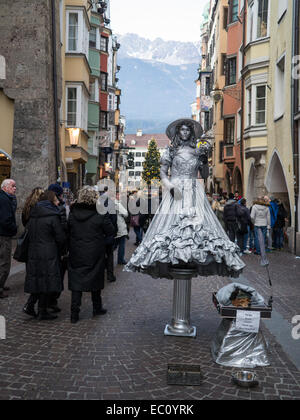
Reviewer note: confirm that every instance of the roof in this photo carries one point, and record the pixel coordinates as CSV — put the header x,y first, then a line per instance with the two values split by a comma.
x,y
142,141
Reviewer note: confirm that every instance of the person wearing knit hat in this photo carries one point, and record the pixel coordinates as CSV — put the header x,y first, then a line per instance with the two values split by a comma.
x,y
57,189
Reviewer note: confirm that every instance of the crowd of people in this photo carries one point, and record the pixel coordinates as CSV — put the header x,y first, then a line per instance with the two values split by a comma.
x,y
64,234
243,224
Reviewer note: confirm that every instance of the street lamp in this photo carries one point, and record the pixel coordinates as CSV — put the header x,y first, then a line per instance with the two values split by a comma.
x,y
74,136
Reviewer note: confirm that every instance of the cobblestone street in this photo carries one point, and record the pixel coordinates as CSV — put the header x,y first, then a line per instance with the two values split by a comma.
x,y
124,354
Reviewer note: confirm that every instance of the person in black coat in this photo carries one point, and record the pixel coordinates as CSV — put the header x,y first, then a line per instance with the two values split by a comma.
x,y
46,241
243,221
229,217
109,204
89,232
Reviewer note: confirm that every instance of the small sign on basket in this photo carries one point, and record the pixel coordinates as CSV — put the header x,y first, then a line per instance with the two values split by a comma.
x,y
248,321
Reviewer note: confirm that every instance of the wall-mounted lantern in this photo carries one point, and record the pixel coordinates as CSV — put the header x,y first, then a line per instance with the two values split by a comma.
x,y
74,136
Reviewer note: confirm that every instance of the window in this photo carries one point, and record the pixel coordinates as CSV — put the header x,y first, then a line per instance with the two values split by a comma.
x,y
231,71
138,173
280,88
92,91
225,17
262,18
138,163
138,154
103,80
104,44
77,101
72,107
206,121
229,124
249,109
93,37
144,154
111,102
77,32
260,105
221,152
282,7
103,120
131,173
207,86
73,32
223,64
234,10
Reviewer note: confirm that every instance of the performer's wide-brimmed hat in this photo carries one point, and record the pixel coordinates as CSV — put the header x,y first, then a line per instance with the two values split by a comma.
x,y
171,129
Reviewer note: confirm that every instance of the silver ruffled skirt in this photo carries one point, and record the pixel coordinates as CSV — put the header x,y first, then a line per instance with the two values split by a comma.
x,y
186,231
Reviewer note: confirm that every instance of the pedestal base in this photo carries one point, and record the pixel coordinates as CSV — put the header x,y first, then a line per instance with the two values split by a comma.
x,y
190,332
180,324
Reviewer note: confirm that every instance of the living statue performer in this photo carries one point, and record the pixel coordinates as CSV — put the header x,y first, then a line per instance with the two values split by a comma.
x,y
185,231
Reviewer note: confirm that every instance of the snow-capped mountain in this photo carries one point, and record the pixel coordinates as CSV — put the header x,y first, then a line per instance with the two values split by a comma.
x,y
173,53
157,79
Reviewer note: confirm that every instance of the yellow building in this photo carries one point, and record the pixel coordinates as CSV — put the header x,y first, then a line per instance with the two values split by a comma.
x,y
6,127
267,73
75,27
257,85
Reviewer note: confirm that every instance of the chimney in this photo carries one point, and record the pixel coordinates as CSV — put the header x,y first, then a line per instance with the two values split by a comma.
x,y
139,133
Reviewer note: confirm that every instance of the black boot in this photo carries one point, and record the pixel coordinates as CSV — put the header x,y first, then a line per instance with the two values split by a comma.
x,y
99,311
74,317
29,310
43,315
97,304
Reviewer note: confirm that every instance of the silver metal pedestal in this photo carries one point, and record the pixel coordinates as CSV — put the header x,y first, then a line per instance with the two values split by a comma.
x,y
180,324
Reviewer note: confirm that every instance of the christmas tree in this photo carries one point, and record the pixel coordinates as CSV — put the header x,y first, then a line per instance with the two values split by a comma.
x,y
151,164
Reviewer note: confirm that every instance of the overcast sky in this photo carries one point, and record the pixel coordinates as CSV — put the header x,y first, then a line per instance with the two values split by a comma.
x,y
177,20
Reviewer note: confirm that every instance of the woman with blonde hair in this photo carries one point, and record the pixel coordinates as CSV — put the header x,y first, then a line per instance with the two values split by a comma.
x,y
89,232
30,202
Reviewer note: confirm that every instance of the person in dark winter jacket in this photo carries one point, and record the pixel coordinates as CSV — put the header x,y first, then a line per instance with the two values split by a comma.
x,y
46,241
8,229
53,298
30,203
230,216
109,204
243,221
89,232
279,226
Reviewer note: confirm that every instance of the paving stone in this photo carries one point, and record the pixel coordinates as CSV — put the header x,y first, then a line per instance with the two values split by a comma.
x,y
124,355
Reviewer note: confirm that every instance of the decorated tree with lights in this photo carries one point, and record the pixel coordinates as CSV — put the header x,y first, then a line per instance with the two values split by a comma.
x,y
151,165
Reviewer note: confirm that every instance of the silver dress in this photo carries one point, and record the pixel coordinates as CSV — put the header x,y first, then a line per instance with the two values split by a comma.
x,y
185,229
